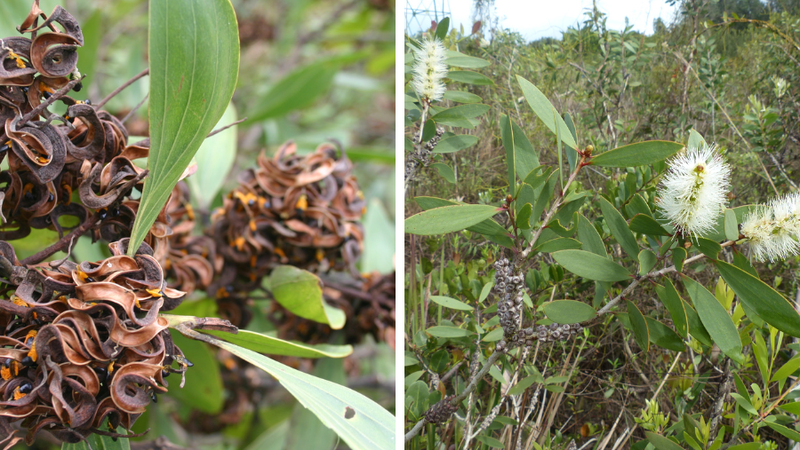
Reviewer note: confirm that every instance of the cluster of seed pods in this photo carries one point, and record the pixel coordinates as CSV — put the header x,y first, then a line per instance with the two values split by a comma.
x,y
299,210
510,287
83,344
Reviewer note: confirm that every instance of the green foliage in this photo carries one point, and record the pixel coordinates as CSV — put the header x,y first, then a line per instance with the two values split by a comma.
x,y
594,237
300,292
360,422
186,99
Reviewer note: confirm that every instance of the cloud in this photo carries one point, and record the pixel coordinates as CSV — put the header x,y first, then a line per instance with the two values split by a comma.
x,y
537,19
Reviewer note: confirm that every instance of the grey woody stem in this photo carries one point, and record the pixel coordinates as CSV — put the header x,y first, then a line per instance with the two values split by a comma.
x,y
553,208
656,273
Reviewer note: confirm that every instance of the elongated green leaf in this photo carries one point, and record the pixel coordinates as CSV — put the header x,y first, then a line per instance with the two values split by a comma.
x,y
568,311
544,197
639,325
214,160
493,336
451,303
718,233
554,245
544,110
589,237
619,228
297,90
678,256
379,235
715,319
445,171
359,421
787,369
448,219
485,291
660,442
444,331
572,155
273,439
641,223
524,216
455,115
537,176
747,446
731,225
768,303
203,391
696,327
300,292
455,143
638,204
591,266
761,356
638,154
523,384
307,431
647,260
526,158
507,133
417,396
663,336
672,300
708,247
744,403
490,441
469,77
192,79
271,345
695,140
92,35
489,228
456,59
788,432
791,406
461,97
441,28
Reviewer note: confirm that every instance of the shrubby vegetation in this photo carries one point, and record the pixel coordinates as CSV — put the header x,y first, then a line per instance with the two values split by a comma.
x,y
554,290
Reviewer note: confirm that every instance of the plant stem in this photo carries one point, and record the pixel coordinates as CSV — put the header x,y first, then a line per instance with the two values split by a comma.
x,y
458,398
653,274
53,98
122,87
553,209
62,243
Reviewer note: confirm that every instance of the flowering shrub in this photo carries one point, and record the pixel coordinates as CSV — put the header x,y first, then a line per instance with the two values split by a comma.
x,y
511,335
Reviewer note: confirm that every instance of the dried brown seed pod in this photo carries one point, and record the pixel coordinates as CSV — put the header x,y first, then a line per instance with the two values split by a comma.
x,y
84,342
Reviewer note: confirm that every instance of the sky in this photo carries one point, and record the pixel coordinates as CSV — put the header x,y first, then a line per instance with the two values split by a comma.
x,y
535,19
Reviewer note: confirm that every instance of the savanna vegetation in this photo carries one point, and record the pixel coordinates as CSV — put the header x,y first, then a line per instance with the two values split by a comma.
x,y
555,296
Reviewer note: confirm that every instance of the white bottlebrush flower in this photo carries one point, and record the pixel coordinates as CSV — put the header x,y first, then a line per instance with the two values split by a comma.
x,y
772,231
693,192
429,70
786,211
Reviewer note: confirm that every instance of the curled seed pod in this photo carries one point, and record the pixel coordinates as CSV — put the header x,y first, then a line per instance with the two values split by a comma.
x,y
441,411
94,329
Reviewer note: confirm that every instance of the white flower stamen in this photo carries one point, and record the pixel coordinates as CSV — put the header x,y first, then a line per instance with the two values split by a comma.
x,y
693,192
773,231
429,70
